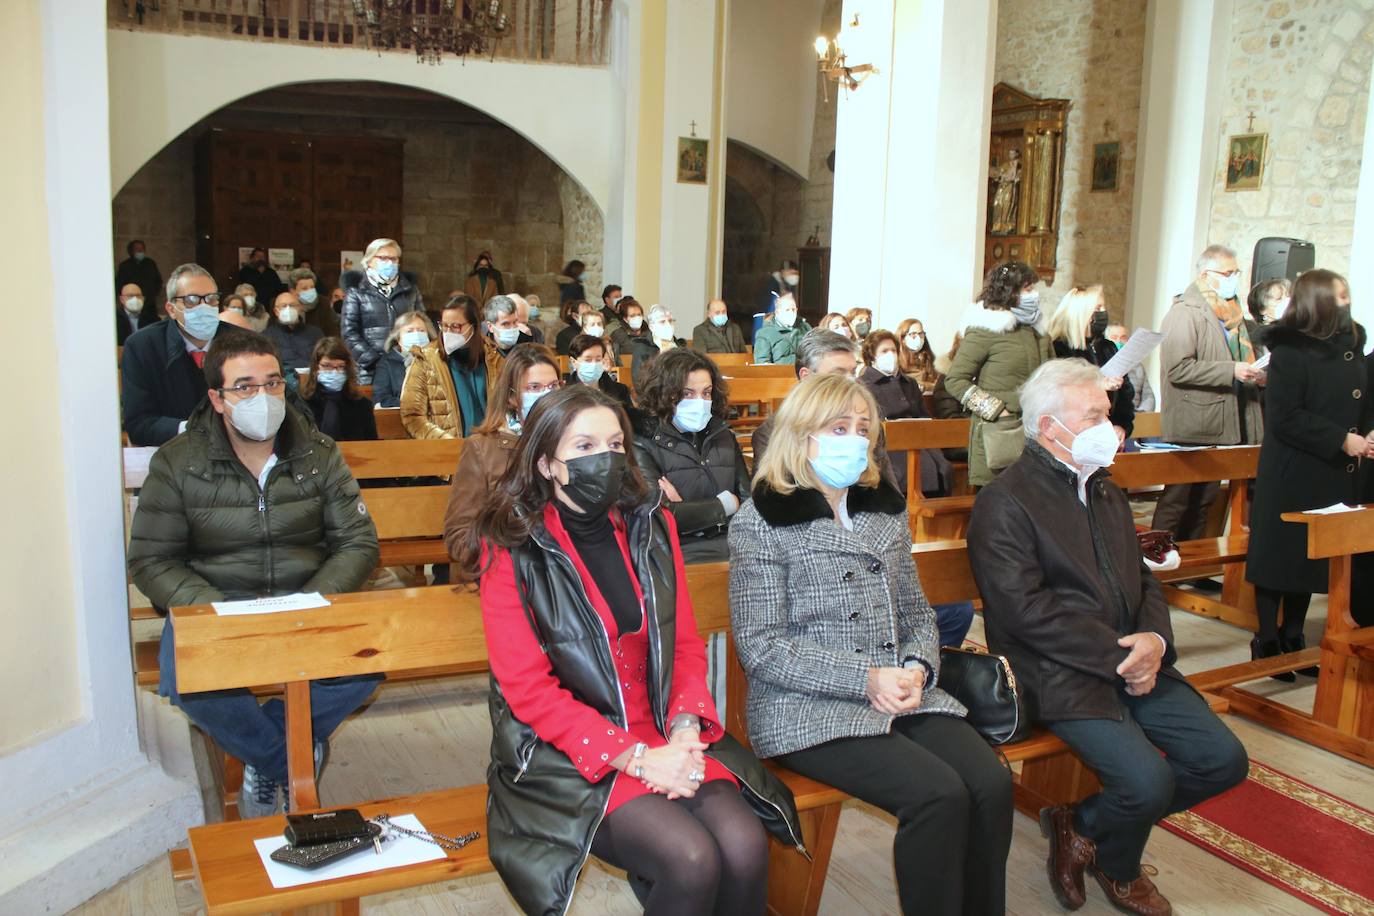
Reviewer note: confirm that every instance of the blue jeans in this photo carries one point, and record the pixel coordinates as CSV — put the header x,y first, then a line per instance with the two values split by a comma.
x,y
256,732
953,621
1139,786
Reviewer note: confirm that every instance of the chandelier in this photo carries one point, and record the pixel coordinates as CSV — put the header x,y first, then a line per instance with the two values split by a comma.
x,y
433,28
834,65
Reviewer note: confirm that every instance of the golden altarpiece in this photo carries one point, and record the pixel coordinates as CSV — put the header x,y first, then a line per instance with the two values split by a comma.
x,y
1025,179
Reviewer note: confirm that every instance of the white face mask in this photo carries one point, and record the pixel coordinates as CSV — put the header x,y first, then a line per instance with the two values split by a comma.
x,y
663,330
1279,308
453,341
915,341
1095,446
288,315
133,305
785,319
791,279
885,362
259,417
594,330
250,301
635,321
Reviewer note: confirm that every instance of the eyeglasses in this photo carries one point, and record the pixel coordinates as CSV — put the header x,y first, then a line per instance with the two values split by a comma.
x,y
245,390
1224,273
193,300
454,328
536,388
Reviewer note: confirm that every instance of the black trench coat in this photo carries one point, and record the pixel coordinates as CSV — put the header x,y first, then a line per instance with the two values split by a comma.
x,y
1318,392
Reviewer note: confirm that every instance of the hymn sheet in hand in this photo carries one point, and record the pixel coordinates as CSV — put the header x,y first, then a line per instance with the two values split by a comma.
x,y
1141,345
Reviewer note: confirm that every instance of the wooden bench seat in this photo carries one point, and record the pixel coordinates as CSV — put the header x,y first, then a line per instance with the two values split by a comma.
x,y
407,631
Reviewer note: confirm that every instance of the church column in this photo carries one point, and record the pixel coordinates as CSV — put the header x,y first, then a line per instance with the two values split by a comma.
x,y
662,236
911,153
82,803
1362,246
1186,46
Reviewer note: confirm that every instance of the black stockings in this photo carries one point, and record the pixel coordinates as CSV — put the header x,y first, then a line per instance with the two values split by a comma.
x,y
707,854
1267,602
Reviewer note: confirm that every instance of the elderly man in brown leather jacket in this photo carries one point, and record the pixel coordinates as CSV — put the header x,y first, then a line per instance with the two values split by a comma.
x,y
1068,600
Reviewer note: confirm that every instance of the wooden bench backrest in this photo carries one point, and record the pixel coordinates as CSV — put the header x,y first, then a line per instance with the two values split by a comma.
x,y
732,360
919,434
760,390
389,425
407,512
742,371
389,458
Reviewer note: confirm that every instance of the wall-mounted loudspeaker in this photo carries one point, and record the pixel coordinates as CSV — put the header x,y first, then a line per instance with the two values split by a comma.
x,y
1275,257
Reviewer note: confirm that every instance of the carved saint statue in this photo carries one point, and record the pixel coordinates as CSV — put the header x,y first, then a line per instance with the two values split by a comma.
x,y
1006,194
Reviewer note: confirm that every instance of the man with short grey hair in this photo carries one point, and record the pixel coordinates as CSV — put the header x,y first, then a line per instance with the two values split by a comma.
x,y
502,317
1209,388
1068,600
160,380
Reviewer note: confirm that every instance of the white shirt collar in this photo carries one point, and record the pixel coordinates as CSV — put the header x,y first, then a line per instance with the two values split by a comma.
x,y
1083,475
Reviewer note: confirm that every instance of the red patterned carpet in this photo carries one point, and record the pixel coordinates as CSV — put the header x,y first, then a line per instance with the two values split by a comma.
x,y
1294,836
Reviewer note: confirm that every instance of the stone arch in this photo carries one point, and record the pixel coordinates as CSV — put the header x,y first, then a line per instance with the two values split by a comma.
x,y
470,183
166,83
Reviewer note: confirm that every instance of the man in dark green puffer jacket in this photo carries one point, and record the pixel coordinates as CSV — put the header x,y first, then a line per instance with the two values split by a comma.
x,y
251,501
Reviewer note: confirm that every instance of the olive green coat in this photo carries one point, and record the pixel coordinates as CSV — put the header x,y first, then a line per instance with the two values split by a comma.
x,y
204,531
997,355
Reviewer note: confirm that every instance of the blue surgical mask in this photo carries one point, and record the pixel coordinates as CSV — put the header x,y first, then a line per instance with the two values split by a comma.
x,y
413,339
332,379
692,414
385,271
534,313
590,373
308,296
841,460
506,337
527,401
201,322
139,256
719,320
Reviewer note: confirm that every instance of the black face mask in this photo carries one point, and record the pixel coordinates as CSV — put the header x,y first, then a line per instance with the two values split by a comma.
x,y
1098,326
259,263
594,481
483,271
1344,322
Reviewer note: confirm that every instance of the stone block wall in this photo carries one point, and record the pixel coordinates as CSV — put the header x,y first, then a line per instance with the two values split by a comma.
x,y
467,187
1302,67
1091,52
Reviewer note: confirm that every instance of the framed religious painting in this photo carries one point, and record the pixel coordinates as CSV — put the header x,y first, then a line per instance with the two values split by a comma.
x,y
691,160
1245,161
1106,165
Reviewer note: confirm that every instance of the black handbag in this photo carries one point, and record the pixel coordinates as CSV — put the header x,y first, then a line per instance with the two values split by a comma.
x,y
986,685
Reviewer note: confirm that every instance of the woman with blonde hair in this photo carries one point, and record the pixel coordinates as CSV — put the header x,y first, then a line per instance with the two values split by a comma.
x,y
1078,329
372,301
836,322
840,648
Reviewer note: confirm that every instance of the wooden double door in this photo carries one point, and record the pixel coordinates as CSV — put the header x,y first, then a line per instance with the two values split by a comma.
x,y
318,195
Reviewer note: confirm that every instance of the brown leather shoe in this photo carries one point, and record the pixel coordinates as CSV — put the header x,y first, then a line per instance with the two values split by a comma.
x,y
1139,896
1069,855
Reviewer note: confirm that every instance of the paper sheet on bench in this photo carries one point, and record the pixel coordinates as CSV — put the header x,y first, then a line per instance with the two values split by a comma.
x,y
395,854
1141,344
1333,509
301,601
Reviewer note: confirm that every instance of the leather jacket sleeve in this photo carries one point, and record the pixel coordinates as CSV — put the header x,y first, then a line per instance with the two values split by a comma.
x,y
692,515
351,327
1001,539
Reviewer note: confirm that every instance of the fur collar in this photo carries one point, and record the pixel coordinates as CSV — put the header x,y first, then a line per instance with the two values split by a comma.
x,y
803,506
998,321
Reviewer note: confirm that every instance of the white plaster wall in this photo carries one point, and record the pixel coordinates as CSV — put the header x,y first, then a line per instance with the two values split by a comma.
x,y
686,207
82,804
162,84
770,78
903,203
1362,246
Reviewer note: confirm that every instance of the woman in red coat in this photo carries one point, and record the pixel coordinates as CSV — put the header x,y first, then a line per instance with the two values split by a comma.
x,y
605,738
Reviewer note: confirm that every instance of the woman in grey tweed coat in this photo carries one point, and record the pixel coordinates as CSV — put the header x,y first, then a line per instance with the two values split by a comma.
x,y
840,648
